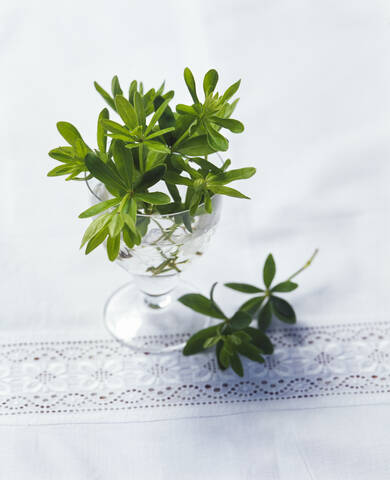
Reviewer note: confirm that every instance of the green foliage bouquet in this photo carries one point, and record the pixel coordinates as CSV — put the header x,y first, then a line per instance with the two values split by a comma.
x,y
147,148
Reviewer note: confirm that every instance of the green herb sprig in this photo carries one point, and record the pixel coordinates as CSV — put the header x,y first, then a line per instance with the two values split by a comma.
x,y
149,145
234,336
267,304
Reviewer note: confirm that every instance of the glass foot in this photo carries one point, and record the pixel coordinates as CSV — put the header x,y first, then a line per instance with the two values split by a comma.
x,y
132,321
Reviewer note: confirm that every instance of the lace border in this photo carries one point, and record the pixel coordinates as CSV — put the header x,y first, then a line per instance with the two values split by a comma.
x,y
70,377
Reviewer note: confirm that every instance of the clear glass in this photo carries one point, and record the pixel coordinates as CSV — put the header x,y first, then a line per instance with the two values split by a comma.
x,y
144,314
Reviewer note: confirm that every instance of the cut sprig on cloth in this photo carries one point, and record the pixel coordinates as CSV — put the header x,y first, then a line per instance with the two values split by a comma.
x,y
235,337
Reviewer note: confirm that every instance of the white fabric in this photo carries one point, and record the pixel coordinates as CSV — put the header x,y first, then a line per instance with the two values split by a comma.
x,y
315,101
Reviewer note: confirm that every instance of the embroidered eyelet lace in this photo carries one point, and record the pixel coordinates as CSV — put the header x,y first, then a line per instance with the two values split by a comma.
x,y
74,377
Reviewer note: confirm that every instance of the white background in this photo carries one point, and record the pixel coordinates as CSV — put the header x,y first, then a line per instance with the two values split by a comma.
x,y
315,100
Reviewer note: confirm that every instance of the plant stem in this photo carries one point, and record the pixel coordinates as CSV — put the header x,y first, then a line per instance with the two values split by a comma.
x,y
141,157
307,264
185,135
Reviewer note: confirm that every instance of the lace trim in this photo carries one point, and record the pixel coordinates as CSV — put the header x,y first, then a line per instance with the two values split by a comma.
x,y
103,375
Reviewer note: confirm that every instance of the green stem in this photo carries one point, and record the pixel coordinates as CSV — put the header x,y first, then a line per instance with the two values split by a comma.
x,y
307,264
141,157
185,135
123,201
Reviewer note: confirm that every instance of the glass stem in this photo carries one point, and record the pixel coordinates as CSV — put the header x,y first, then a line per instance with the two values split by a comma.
x,y
156,290
156,302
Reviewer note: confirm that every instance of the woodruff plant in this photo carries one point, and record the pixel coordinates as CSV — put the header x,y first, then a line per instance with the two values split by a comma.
x,y
234,337
147,147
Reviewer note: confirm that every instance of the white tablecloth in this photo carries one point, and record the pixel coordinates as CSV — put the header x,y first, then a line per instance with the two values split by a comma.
x,y
315,101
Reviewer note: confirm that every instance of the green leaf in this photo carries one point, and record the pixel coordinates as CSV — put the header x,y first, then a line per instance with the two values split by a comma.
x,y
216,141
283,310
124,162
156,146
218,353
132,89
244,287
148,101
206,165
101,131
242,336
167,119
240,320
224,356
195,146
60,170
99,207
232,175
186,110
130,146
265,317
157,114
231,91
74,175
231,192
115,127
105,95
234,126
102,172
113,246
139,109
129,222
210,82
187,220
116,224
269,270
285,287
142,224
131,208
226,164
155,198
115,87
181,164
235,363
174,191
151,177
159,133
252,305
190,82
69,132
95,226
126,112
261,340
160,89
195,201
80,149
250,351
196,343
97,240
128,237
210,342
207,202
236,339
201,304
62,154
